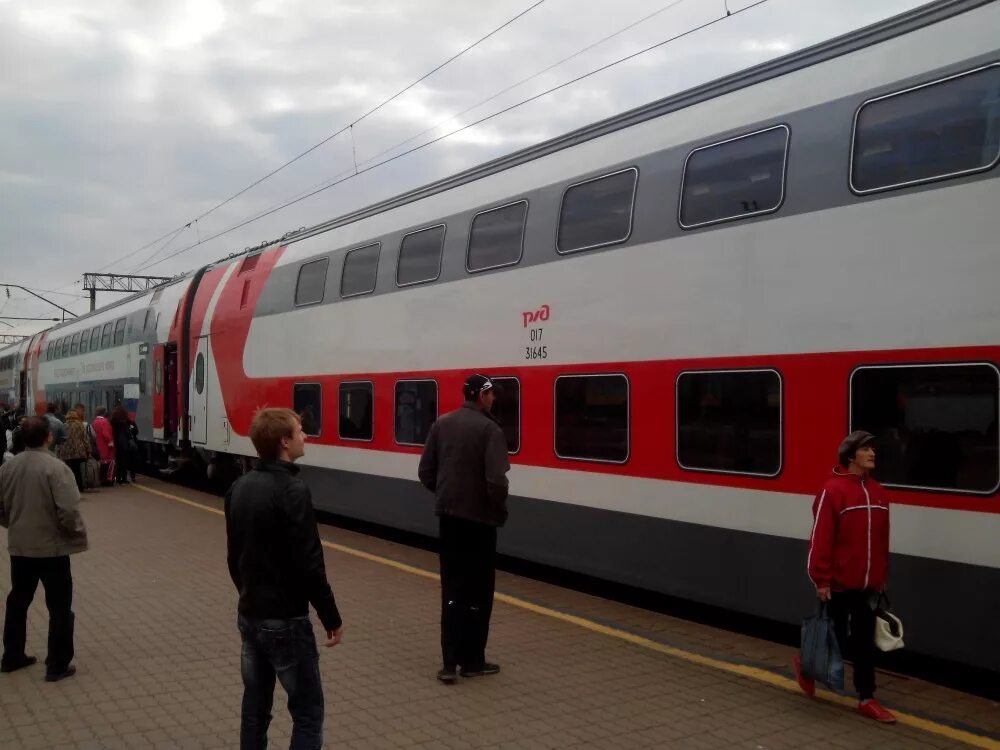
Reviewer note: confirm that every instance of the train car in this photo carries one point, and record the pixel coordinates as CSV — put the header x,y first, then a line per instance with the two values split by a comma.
x,y
687,307
12,359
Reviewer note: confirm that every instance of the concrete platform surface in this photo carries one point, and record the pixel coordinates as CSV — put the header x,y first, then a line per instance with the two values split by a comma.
x,y
158,659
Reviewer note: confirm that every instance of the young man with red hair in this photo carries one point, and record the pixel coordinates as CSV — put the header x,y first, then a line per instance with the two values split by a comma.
x,y
276,562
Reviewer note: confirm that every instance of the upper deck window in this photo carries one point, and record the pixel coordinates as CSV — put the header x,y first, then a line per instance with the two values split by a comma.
x,y
119,331
420,256
360,270
312,282
497,237
597,212
941,129
734,179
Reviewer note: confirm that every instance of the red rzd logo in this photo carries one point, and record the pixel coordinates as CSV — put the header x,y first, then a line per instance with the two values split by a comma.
x,y
542,313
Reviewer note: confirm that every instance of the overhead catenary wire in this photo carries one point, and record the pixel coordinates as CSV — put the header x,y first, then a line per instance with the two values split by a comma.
x,y
333,135
351,175
523,81
480,103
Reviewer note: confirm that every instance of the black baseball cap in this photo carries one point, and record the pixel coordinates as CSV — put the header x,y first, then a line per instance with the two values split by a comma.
x,y
476,384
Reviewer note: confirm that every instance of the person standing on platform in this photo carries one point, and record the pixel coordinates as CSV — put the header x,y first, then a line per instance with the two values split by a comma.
x,y
39,506
465,465
105,439
122,435
56,425
848,562
76,450
276,563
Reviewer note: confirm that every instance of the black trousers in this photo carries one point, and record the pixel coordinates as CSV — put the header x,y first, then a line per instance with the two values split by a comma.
x,y
76,464
468,578
54,573
854,622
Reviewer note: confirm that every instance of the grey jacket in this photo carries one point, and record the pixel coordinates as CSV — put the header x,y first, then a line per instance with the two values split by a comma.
x,y
40,506
58,428
465,465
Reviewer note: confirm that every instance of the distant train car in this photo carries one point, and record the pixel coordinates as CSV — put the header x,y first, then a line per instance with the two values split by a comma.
x,y
686,308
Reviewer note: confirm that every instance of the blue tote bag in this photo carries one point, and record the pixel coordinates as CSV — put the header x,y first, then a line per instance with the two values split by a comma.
x,y
820,652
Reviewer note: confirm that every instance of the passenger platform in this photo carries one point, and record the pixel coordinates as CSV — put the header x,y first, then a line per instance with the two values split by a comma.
x,y
157,653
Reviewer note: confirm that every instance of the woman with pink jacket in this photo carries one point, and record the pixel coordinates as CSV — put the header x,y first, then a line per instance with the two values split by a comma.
x,y
105,436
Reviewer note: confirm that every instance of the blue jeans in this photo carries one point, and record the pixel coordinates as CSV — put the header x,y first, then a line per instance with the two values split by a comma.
x,y
285,649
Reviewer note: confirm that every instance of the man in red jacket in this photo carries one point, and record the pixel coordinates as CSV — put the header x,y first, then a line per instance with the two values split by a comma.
x,y
848,562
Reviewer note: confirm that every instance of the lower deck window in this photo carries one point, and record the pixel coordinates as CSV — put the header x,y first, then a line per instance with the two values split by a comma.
x,y
507,410
935,425
356,407
592,422
729,421
416,409
308,404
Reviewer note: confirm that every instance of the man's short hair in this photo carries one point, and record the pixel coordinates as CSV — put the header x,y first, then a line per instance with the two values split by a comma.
x,y
50,407
100,411
35,431
269,426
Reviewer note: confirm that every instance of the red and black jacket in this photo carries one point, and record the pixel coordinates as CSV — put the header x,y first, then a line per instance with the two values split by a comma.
x,y
849,546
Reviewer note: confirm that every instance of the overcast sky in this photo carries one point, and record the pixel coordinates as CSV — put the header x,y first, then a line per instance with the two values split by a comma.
x,y
122,120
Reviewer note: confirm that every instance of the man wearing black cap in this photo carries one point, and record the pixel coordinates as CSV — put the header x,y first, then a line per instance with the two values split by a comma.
x,y
849,560
465,465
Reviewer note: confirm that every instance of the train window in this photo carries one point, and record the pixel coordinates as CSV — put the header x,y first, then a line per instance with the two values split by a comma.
x,y
597,212
730,421
84,339
119,331
357,404
307,401
420,256
935,425
147,319
734,179
941,129
311,286
360,269
416,410
497,237
74,345
507,410
64,345
49,351
142,376
95,339
199,373
592,421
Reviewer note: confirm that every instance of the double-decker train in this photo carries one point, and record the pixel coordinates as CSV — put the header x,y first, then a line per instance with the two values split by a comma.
x,y
686,307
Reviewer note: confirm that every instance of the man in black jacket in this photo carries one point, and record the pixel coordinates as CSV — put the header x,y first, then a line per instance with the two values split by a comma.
x,y
276,561
465,464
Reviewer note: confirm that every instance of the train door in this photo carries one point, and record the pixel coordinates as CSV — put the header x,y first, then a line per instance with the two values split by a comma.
x,y
198,396
170,390
159,396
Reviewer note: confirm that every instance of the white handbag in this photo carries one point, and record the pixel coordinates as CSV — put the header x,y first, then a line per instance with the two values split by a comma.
x,y
888,627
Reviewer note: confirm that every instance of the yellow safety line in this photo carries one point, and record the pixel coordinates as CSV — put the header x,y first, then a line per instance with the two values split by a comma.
x,y
742,670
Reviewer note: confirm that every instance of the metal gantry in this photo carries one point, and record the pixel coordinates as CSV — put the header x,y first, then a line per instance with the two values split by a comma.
x,y
118,282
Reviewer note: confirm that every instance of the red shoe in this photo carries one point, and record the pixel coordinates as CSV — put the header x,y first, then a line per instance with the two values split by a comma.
x,y
807,684
874,710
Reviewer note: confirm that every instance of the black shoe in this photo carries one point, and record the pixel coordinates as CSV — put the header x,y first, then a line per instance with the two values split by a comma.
x,y
15,664
448,676
56,676
483,669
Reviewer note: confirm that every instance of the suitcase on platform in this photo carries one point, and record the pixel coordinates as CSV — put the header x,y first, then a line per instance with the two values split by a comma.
x,y
91,473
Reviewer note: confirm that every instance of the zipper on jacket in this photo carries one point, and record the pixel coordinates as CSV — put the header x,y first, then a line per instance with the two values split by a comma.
x,y
868,509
